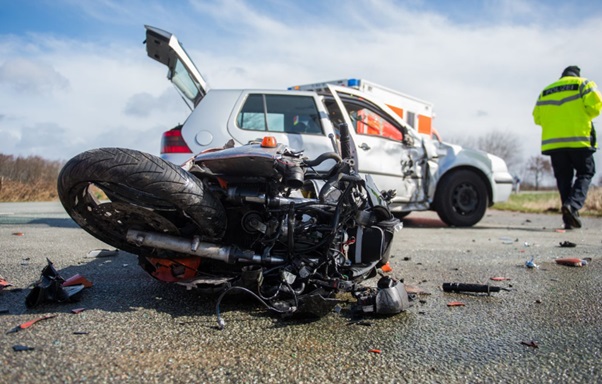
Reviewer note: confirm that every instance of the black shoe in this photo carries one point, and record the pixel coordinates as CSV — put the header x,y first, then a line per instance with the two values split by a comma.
x,y
570,216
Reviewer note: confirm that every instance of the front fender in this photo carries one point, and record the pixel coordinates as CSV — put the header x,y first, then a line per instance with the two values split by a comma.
x,y
490,168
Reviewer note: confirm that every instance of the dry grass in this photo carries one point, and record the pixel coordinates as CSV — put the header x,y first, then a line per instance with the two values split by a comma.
x,y
549,201
14,191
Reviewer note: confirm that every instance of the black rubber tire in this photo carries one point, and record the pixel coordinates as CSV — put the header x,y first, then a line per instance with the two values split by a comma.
x,y
146,193
401,215
461,199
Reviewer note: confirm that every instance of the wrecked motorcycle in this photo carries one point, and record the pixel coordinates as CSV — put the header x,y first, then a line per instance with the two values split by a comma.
x,y
258,218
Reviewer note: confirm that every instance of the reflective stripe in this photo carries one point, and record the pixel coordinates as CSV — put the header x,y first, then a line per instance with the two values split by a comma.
x,y
560,88
558,102
583,85
566,140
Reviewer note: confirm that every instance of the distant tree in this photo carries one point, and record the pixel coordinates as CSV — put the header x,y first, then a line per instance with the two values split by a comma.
x,y
538,166
506,145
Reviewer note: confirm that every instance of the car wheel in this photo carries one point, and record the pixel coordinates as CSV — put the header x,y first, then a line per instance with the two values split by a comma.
x,y
461,199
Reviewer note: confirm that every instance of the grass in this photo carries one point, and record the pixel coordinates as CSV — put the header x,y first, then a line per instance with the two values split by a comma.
x,y
549,202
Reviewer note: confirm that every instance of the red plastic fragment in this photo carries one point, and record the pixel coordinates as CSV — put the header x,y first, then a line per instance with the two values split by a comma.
x,y
499,278
455,304
29,323
4,283
377,351
77,280
78,310
18,234
570,261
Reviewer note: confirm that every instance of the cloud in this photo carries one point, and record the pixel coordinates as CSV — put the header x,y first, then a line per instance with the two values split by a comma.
x,y
32,77
481,63
144,104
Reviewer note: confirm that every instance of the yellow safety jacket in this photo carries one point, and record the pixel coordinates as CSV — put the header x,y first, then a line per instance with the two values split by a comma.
x,y
565,110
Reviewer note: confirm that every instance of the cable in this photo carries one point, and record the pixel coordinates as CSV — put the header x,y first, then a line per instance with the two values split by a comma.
x,y
220,321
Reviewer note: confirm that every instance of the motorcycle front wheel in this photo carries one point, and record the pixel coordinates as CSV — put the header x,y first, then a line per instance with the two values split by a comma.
x,y
108,191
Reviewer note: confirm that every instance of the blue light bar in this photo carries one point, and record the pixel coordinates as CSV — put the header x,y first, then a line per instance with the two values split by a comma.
x,y
353,82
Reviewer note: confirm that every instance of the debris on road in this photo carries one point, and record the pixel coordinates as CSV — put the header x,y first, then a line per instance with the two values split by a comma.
x,y
78,310
567,244
473,288
29,323
102,253
4,283
21,348
18,234
456,304
573,261
531,264
377,351
499,278
532,344
77,279
49,288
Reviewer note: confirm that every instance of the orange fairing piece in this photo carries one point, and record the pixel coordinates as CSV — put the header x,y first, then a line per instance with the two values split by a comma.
x,y
174,270
269,142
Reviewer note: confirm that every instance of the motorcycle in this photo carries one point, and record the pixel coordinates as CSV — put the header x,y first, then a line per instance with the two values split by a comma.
x,y
258,218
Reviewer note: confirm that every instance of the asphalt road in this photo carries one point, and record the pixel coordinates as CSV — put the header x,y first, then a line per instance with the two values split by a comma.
x,y
135,329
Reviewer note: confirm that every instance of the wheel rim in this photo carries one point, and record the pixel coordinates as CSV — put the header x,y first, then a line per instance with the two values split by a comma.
x,y
465,199
109,221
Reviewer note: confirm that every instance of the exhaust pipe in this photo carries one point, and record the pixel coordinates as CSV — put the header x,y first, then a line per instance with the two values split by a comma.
x,y
228,254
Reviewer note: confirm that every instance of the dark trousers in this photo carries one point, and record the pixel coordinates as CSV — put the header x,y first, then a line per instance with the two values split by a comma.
x,y
569,164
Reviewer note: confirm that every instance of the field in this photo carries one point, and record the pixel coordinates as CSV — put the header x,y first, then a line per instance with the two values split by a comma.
x,y
34,179
549,202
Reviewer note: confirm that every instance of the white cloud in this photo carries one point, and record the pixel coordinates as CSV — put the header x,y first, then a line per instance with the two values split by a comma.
x,y
482,75
22,75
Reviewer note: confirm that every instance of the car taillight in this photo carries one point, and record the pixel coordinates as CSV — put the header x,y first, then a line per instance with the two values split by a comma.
x,y
173,142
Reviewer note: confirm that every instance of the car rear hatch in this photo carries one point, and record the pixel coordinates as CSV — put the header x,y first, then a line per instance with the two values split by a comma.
x,y
166,49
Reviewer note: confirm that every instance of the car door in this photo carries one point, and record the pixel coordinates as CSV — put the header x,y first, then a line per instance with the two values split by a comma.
x,y
166,49
388,149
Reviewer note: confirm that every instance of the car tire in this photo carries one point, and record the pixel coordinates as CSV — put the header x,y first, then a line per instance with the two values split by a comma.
x,y
461,199
145,192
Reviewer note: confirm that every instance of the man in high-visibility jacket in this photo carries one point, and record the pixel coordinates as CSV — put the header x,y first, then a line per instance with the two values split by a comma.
x,y
565,110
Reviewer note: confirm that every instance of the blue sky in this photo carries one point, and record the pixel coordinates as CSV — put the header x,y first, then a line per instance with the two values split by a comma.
x,y
74,74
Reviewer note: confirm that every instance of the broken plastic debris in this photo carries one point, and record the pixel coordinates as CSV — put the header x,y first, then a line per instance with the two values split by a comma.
x,y
18,234
49,288
29,323
499,278
377,351
531,264
386,268
456,304
532,344
567,244
77,280
560,230
21,348
476,288
78,310
573,261
102,253
4,283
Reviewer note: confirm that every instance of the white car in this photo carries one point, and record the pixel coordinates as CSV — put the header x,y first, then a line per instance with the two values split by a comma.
x,y
459,184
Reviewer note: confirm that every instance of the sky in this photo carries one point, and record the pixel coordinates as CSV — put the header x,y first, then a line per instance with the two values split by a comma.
x,y
74,74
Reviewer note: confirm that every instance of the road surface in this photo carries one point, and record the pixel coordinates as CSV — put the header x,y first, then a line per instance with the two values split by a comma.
x,y
136,329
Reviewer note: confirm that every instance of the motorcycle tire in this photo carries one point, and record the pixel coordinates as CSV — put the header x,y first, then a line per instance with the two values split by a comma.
x,y
144,192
